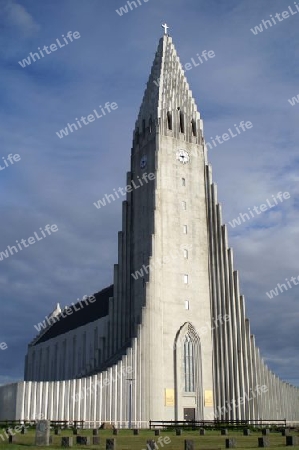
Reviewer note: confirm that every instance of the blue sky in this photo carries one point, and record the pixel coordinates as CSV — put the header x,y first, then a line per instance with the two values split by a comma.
x,y
57,180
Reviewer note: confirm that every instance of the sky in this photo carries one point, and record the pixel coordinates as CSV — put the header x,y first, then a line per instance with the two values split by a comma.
x,y
56,181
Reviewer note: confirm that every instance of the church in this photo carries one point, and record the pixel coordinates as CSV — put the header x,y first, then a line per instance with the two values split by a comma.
x,y
169,340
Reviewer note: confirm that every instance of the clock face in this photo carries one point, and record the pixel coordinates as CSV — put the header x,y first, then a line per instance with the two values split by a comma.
x,y
143,162
183,156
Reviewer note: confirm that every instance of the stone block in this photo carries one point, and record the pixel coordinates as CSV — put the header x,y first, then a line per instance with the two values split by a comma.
x,y
95,440
136,432
265,431
107,426
11,439
263,442
66,441
189,445
75,431
246,432
110,444
202,432
178,432
285,432
292,440
150,444
157,432
42,433
83,440
24,430
95,432
224,432
230,443
115,432
57,431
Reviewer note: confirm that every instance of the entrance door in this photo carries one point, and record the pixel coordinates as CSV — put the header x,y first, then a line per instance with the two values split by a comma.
x,y
189,414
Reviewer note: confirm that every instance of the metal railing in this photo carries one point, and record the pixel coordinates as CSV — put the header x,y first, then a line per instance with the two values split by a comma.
x,y
217,423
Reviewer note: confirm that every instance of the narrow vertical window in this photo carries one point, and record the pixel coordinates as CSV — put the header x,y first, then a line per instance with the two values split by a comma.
x,y
137,136
193,125
74,356
185,254
187,304
169,120
182,124
84,350
40,362
185,229
150,125
183,182
184,205
33,365
56,362
186,279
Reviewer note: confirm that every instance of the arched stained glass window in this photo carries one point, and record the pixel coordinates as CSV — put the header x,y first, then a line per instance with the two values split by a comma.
x,y
189,364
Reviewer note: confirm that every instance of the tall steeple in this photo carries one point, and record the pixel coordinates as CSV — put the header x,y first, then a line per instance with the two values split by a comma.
x,y
165,241
168,97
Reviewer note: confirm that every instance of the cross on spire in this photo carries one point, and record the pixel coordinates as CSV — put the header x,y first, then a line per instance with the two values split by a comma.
x,y
166,27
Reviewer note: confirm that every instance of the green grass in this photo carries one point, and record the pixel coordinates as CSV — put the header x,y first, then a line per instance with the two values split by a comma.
x,y
127,441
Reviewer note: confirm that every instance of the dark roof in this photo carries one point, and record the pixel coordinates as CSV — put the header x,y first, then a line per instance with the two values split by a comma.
x,y
86,314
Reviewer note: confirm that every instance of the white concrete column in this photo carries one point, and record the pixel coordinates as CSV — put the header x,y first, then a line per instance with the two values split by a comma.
x,y
255,411
234,325
250,376
221,331
227,327
239,343
245,365
218,393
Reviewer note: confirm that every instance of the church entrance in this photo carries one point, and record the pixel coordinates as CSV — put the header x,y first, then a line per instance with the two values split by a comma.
x,y
189,414
188,379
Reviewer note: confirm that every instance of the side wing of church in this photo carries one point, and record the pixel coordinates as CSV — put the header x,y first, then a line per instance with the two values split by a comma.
x,y
169,340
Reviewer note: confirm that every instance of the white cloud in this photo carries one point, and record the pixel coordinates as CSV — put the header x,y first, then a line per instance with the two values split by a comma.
x,y
15,15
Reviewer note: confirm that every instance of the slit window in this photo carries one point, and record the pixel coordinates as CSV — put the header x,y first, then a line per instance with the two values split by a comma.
x,y
150,125
184,205
186,279
185,229
183,182
185,254
182,125
193,125
169,120
137,136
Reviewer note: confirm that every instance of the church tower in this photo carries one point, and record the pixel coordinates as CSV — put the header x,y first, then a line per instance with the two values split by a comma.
x,y
166,273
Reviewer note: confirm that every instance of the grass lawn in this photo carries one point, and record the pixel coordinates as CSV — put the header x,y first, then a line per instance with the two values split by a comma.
x,y
127,441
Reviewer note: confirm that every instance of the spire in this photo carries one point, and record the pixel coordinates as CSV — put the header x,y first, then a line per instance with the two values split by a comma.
x,y
167,92
56,311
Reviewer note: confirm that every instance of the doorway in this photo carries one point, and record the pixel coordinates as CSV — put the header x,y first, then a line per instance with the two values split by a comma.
x,y
189,414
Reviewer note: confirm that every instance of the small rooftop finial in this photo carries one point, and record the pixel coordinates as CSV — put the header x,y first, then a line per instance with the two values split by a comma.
x,y
166,27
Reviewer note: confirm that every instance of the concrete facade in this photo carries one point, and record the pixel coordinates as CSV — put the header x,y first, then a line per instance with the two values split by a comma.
x,y
176,338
